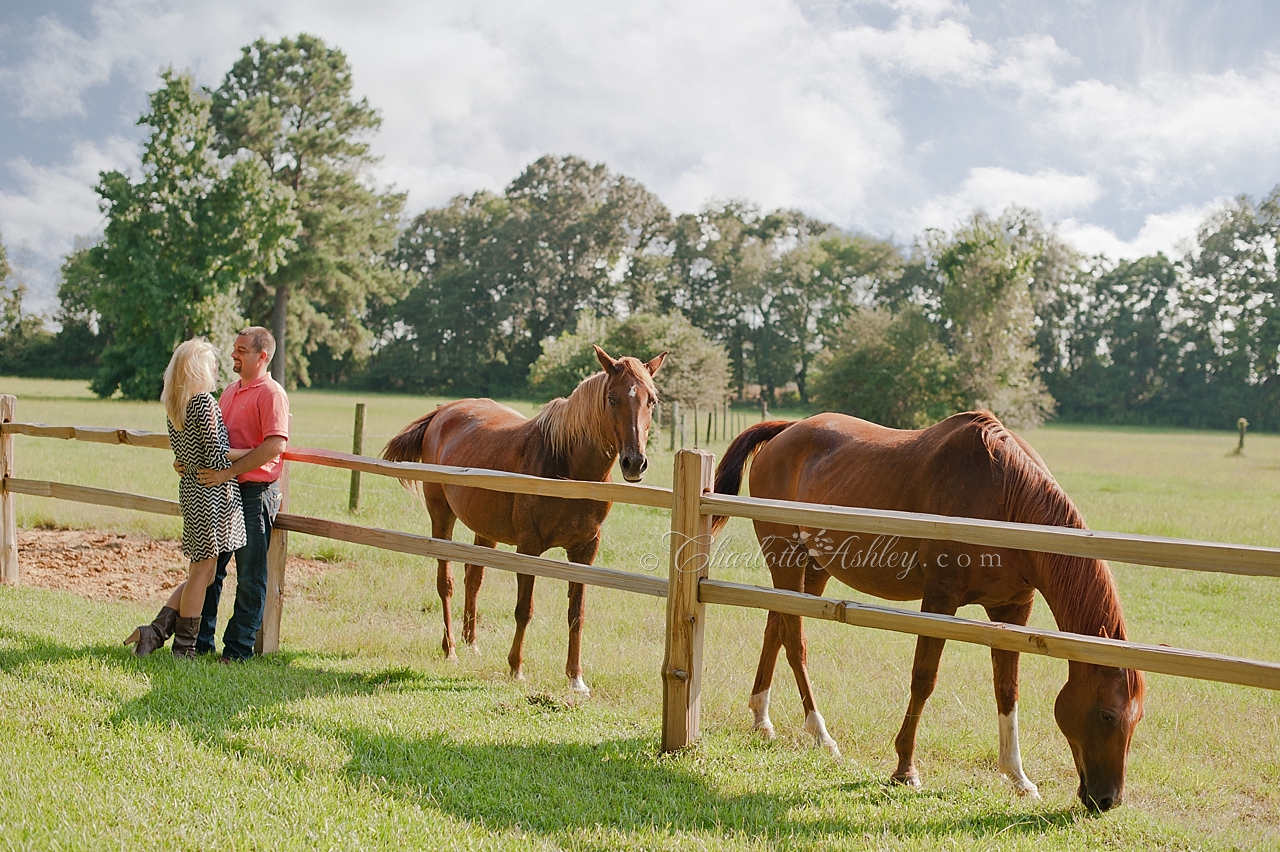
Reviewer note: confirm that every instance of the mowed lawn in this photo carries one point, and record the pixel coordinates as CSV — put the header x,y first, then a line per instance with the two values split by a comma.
x,y
359,735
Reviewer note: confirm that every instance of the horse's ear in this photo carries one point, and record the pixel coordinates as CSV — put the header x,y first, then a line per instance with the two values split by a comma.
x,y
610,365
655,364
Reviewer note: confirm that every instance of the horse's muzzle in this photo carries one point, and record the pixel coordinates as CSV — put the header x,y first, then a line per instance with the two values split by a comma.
x,y
633,466
1099,801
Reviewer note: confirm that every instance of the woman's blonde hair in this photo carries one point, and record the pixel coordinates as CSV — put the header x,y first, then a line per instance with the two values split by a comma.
x,y
192,370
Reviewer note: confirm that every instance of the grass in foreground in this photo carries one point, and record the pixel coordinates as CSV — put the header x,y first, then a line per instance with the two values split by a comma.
x,y
359,735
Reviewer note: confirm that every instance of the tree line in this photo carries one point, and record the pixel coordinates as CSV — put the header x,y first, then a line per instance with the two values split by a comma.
x,y
254,204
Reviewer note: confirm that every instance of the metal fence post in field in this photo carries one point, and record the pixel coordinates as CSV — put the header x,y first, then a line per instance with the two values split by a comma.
x,y
8,507
690,558
277,555
357,449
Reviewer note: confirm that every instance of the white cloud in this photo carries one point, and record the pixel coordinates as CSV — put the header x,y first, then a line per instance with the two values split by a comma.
x,y
1169,127
1049,191
54,205
1171,233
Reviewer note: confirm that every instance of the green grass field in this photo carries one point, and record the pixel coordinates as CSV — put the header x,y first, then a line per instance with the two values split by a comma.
x,y
358,735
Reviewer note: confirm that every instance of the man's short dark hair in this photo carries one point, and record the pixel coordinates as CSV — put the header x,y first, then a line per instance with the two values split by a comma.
x,y
262,339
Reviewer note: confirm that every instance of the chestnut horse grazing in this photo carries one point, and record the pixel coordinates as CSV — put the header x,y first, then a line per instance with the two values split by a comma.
x,y
969,465
607,416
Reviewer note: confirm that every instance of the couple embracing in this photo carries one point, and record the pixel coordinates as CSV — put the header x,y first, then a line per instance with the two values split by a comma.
x,y
228,455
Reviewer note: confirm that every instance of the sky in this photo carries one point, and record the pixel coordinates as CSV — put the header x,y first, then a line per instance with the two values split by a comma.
x,y
1123,122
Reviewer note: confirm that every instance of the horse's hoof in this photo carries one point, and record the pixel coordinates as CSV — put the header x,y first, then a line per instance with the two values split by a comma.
x,y
517,675
579,686
816,727
766,731
451,657
911,780
473,648
1027,789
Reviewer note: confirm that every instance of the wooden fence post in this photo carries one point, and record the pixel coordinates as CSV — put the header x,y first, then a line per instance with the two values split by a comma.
x,y
277,554
8,505
357,449
690,558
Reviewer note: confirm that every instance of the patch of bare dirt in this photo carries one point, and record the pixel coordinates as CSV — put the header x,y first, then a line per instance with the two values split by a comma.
x,y
106,566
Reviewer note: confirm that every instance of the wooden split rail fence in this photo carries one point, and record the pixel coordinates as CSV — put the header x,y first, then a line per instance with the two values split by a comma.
x,y
688,589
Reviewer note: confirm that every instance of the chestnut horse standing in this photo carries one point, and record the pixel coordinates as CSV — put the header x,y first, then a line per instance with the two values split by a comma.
x,y
608,415
969,465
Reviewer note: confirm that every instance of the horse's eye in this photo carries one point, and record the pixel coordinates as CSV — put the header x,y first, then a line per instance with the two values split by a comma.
x,y
613,400
1108,718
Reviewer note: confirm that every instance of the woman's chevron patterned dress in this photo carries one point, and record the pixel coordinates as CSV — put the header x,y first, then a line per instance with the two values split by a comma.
x,y
212,518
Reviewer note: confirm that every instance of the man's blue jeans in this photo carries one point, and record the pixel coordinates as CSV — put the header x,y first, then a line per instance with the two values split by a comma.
x,y
261,501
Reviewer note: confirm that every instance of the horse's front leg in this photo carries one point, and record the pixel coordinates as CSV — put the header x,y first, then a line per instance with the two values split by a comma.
x,y
797,644
924,677
585,554
473,578
524,614
1004,667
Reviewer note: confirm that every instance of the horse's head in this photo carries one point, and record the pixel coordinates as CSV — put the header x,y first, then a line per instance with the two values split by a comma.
x,y
630,397
1097,710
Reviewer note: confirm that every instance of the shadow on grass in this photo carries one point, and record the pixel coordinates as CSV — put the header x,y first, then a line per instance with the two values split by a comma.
x,y
540,786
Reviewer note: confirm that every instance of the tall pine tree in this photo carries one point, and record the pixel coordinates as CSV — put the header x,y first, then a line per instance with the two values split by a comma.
x,y
290,103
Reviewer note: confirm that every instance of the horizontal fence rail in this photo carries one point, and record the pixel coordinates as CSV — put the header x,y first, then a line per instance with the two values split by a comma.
x,y
1120,547
490,557
97,496
493,480
1008,637
418,545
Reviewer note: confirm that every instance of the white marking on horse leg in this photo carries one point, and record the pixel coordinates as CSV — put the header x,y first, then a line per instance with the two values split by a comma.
x,y
517,675
578,685
759,704
816,726
1010,760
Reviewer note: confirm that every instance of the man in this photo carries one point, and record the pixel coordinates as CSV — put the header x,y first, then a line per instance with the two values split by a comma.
x,y
256,411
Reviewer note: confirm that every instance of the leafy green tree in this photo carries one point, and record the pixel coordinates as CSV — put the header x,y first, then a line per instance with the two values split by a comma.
x,y
23,337
976,285
569,358
499,276
1115,359
695,372
290,103
890,369
814,286
180,244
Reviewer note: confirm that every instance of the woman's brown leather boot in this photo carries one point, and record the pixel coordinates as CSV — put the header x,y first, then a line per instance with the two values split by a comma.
x,y
184,637
150,637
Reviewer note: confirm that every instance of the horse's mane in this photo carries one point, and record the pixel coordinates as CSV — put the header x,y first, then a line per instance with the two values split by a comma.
x,y
583,415
1085,598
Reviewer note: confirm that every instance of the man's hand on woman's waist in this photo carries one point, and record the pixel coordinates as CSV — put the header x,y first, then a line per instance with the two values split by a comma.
x,y
262,454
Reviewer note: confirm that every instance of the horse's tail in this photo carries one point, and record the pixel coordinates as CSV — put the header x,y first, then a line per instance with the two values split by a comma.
x,y
407,445
729,471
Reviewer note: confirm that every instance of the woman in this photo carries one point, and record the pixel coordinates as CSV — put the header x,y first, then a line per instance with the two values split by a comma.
x,y
212,520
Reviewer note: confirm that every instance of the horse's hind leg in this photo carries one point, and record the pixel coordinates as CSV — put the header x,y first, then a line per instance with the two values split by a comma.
x,y
585,554
473,578
759,702
924,677
524,614
442,521
1004,667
